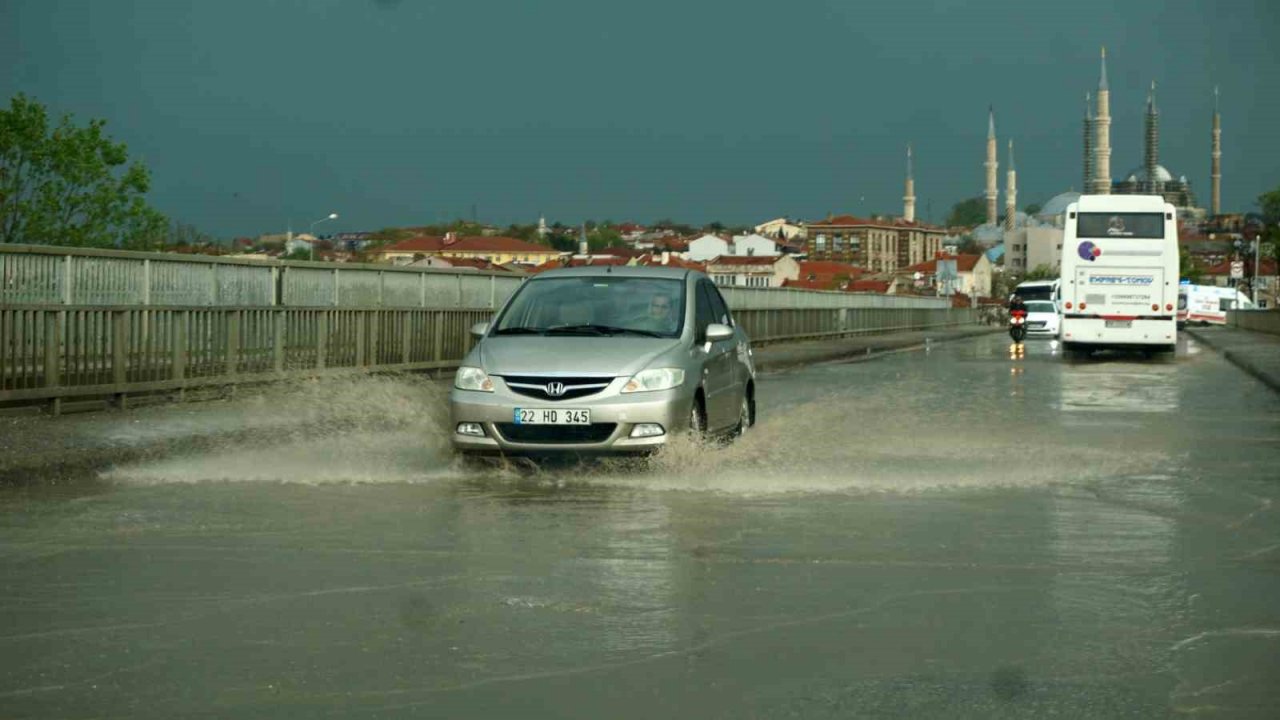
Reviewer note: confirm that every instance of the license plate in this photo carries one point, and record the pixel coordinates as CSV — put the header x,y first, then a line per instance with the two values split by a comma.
x,y
1119,323
552,416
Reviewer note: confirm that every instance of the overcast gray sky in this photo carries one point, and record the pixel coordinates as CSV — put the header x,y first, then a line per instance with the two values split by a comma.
x,y
254,113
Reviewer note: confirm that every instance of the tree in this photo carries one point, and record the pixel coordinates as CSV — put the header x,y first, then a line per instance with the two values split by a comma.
x,y
1269,202
1032,209
70,185
1041,272
1187,264
966,213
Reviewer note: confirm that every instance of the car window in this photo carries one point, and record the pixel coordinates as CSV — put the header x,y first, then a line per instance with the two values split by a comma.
x,y
719,308
596,305
703,311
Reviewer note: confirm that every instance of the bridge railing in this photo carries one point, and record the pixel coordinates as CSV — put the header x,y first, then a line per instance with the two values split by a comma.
x,y
78,324
1266,321
44,275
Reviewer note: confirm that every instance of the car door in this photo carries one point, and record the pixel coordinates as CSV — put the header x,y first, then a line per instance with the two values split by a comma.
x,y
738,349
717,374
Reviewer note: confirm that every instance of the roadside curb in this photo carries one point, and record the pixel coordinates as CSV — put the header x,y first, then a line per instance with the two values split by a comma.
x,y
873,347
1235,358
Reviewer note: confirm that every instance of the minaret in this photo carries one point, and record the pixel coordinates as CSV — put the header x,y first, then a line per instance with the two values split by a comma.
x,y
1088,143
542,226
1010,192
991,165
1102,135
1151,146
1215,172
909,199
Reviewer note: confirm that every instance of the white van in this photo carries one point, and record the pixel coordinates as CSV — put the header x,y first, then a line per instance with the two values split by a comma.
x,y
1208,304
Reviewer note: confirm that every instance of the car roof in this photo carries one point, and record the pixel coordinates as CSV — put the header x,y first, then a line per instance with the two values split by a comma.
x,y
639,271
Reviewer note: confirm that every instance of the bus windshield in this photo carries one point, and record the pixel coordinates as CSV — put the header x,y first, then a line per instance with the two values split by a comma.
x,y
1124,225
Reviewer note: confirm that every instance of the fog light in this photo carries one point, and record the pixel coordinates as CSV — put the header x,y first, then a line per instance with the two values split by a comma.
x,y
644,430
472,429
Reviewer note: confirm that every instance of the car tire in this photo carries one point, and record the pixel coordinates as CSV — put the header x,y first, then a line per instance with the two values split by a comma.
x,y
697,419
745,417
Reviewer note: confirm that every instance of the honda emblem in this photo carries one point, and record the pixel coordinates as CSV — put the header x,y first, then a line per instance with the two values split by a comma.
x,y
555,389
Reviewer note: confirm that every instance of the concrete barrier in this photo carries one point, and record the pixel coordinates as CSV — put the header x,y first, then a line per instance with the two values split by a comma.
x,y
1265,321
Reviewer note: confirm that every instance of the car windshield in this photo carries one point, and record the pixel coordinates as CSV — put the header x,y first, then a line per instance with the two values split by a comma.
x,y
597,305
1041,306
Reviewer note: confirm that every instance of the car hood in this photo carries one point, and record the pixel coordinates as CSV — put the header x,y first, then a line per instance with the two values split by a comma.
x,y
569,355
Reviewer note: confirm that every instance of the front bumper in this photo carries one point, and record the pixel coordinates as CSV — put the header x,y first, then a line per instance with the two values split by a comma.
x,y
494,412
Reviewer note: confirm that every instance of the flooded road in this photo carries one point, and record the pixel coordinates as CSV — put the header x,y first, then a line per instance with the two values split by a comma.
x,y
976,530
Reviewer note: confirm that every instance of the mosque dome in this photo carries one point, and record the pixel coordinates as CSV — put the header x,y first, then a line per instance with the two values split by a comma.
x,y
1057,205
1139,175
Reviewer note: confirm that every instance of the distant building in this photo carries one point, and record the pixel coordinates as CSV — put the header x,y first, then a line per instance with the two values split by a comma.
x,y
878,245
781,229
1027,248
495,249
973,275
753,271
711,246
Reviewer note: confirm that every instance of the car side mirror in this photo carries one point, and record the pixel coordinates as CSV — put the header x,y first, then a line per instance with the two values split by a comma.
x,y
479,329
717,332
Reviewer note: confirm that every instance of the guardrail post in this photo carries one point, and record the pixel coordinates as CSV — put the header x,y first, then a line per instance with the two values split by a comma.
x,y
322,338
233,342
362,336
53,322
119,347
437,341
277,341
405,326
178,361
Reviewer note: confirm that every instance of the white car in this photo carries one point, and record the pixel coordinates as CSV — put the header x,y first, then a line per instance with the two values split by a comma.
x,y
1043,319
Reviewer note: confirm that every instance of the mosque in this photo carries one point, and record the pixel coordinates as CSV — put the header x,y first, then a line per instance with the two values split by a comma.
x,y
1031,241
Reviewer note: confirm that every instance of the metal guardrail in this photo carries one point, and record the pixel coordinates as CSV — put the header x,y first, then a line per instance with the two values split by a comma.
x,y
45,275
80,323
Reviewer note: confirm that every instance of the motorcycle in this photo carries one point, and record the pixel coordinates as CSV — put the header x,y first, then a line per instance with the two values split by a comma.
x,y
1018,325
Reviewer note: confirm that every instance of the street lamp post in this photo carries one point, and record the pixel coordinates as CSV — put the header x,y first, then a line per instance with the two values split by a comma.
x,y
331,216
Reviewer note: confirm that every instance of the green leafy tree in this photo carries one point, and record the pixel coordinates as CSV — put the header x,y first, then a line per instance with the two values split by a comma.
x,y
1269,203
70,185
1188,266
1041,272
966,213
1032,209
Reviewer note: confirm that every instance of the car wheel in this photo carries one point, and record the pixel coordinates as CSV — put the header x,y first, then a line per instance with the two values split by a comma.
x,y
744,416
697,419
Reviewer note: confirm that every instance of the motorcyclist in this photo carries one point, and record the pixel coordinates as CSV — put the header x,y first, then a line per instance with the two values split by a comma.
x,y
1017,306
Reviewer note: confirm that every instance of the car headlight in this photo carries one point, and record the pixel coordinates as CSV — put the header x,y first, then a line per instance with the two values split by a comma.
x,y
654,379
472,378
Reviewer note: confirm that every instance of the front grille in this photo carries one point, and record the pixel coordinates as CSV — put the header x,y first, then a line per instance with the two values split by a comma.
x,y
535,386
556,434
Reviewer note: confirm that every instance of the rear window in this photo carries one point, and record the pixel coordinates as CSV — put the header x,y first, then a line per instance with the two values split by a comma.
x,y
1120,225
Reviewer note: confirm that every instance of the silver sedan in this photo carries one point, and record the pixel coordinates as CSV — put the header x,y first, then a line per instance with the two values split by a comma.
x,y
604,359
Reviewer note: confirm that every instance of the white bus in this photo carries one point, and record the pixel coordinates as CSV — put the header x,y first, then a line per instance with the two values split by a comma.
x,y
1120,273
1208,304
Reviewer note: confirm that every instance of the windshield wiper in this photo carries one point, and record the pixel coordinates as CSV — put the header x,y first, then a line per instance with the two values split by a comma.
x,y
603,330
519,331
636,331
593,329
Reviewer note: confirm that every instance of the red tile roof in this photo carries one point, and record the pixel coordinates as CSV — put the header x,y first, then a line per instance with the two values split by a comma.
x,y
745,260
875,286
964,263
1267,267
829,268
468,243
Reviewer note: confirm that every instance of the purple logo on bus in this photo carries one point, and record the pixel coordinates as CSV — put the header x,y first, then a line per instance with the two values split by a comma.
x,y
1088,251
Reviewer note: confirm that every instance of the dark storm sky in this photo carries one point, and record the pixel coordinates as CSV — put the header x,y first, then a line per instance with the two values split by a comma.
x,y
255,113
